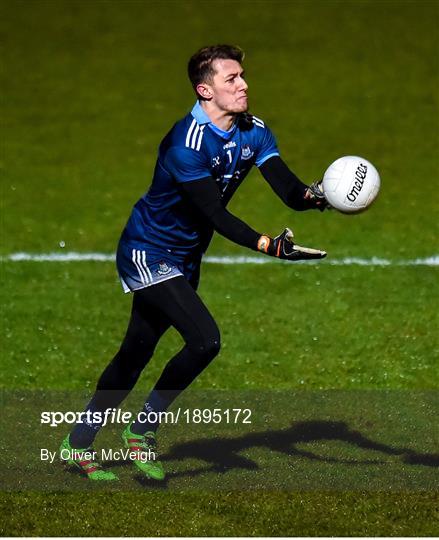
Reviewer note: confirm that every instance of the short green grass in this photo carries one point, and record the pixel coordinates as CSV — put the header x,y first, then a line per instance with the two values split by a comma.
x,y
283,326
229,514
265,512
89,88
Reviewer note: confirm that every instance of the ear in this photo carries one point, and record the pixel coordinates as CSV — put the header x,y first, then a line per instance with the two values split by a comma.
x,y
204,90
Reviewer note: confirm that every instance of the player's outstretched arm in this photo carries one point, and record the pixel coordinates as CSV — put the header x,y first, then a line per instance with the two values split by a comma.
x,y
290,189
205,196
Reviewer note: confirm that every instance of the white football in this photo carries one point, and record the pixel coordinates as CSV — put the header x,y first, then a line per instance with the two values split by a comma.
x,y
351,184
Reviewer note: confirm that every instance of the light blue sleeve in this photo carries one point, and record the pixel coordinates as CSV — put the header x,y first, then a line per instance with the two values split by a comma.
x,y
267,146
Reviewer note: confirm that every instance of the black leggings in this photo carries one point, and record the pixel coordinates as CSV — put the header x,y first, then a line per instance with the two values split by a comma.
x,y
171,303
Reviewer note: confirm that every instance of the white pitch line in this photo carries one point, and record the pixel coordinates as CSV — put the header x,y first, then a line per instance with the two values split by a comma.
x,y
72,256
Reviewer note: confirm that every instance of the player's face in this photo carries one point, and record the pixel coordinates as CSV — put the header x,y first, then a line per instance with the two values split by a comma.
x,y
228,87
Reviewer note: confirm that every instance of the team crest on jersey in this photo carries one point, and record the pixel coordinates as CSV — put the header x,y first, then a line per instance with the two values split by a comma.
x,y
216,161
163,269
246,152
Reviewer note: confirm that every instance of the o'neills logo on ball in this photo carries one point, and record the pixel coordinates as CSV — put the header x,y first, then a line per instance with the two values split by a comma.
x,y
360,175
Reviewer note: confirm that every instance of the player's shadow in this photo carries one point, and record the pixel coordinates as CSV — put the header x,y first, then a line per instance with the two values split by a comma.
x,y
223,454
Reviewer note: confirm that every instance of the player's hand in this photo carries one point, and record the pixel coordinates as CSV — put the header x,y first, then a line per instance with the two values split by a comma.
x,y
315,194
283,247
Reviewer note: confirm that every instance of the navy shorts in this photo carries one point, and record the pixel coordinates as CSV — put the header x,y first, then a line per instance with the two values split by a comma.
x,y
142,267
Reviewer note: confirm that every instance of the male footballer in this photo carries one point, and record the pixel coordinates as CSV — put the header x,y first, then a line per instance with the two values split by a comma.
x,y
201,163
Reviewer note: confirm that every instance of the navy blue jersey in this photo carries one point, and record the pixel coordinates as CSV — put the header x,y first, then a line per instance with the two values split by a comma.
x,y
195,149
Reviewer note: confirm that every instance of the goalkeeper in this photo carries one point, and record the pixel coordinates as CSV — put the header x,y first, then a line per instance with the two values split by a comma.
x,y
201,162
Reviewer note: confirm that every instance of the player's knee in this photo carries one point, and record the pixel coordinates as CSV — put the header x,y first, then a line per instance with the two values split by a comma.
x,y
205,347
212,347
208,347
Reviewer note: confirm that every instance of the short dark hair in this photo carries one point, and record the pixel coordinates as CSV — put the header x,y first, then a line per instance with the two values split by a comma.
x,y
200,68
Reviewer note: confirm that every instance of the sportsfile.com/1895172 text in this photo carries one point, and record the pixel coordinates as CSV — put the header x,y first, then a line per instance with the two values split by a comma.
x,y
117,416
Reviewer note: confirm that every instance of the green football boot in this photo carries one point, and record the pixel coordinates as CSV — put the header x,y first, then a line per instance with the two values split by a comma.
x,y
144,446
84,460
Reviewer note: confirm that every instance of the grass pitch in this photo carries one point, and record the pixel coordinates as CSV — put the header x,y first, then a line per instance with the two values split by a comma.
x,y
89,90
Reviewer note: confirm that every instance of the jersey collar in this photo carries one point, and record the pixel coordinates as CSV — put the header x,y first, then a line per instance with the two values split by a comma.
x,y
202,118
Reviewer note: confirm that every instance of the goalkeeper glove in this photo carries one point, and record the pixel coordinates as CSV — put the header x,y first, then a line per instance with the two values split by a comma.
x,y
315,194
283,247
